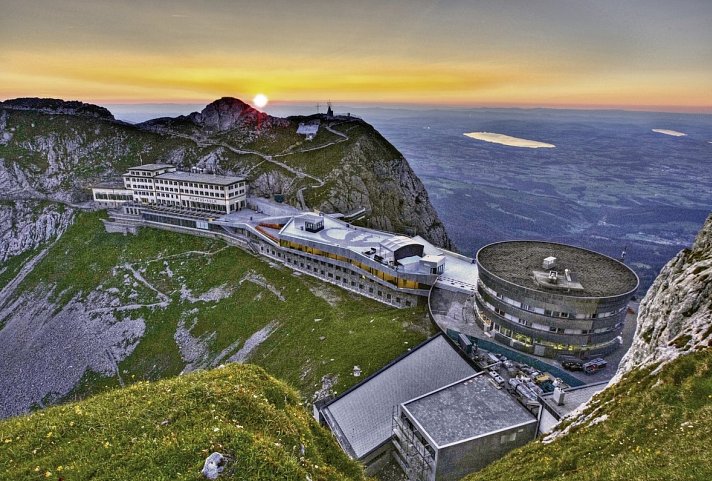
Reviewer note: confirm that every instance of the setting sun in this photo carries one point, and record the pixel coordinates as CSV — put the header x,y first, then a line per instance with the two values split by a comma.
x,y
260,100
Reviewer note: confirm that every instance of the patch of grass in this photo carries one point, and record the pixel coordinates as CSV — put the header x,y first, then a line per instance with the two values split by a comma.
x,y
681,341
165,430
355,330
11,267
657,428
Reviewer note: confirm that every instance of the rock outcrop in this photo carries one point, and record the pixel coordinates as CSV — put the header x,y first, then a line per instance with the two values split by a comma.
x,y
375,176
675,316
58,106
26,224
674,319
56,150
227,113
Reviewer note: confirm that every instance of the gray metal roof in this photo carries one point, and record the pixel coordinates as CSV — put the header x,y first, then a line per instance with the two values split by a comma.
x,y
397,241
200,178
361,417
151,167
467,409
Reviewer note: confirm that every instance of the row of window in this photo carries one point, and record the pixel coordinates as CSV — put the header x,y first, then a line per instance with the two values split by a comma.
x,y
314,266
527,340
390,278
142,173
204,193
542,327
112,197
161,183
547,312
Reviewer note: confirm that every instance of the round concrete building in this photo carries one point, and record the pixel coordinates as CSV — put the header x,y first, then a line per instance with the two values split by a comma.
x,y
549,299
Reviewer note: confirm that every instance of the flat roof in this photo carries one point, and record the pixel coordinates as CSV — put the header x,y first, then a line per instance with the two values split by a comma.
x,y
202,178
339,233
110,184
361,418
516,261
151,167
357,239
573,398
467,409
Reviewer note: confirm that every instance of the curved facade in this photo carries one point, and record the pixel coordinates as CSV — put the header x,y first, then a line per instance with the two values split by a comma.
x,y
549,299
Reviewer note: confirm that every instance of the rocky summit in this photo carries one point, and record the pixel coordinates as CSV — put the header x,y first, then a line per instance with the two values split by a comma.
x,y
55,150
227,113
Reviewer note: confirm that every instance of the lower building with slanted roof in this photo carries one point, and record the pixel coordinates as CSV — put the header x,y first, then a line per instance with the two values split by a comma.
x,y
430,410
361,417
458,429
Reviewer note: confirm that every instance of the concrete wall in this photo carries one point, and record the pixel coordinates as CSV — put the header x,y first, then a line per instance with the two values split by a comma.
x,y
593,343
456,461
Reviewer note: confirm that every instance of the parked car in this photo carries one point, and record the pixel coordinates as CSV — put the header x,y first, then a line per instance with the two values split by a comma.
x,y
498,380
571,363
594,365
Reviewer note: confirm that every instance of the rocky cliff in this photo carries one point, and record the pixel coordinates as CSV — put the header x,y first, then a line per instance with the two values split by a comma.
x,y
27,224
52,149
675,316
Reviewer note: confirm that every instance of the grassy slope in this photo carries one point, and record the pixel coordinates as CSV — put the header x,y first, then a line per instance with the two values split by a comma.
x,y
11,267
165,430
356,331
100,147
658,429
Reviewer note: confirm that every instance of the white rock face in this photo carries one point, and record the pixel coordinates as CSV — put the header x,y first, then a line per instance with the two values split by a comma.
x,y
46,349
24,225
675,316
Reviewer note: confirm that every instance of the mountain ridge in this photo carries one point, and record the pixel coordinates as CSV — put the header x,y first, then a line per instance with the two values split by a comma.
x,y
50,150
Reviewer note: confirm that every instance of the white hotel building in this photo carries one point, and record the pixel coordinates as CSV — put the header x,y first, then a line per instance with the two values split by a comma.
x,y
163,184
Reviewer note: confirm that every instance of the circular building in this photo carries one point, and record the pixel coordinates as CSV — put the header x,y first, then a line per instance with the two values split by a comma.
x,y
549,299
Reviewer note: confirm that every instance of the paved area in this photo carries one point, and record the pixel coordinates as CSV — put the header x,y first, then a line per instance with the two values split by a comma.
x,y
455,310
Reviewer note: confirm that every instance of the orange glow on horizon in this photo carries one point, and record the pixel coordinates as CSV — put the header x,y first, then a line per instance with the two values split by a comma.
x,y
128,79
453,54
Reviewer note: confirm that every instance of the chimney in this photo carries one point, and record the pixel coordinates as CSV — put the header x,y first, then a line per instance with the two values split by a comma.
x,y
549,262
559,396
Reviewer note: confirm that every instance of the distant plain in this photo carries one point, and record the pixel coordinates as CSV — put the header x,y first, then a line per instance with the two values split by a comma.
x,y
611,183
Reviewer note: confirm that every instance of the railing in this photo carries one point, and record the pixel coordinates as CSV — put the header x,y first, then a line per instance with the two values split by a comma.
x,y
416,461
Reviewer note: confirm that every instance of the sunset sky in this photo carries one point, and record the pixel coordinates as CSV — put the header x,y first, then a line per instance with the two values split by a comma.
x,y
631,54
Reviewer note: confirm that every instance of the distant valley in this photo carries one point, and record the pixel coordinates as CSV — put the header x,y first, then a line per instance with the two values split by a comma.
x,y
610,184
613,182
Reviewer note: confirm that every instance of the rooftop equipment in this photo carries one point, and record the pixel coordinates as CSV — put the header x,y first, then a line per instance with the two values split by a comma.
x,y
549,262
465,343
559,396
313,223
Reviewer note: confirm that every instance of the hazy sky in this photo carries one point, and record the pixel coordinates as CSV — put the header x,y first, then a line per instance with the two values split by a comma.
x,y
630,53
